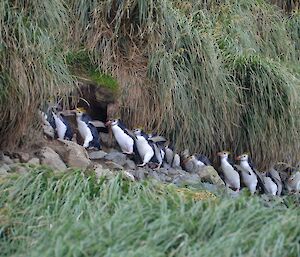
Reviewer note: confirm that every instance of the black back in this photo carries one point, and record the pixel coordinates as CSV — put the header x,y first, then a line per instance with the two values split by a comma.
x,y
96,141
50,119
203,158
69,132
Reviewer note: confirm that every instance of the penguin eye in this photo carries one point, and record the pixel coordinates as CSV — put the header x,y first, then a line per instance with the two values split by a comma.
x,y
224,153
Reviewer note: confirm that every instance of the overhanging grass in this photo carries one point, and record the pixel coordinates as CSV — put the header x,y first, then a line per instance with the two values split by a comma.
x,y
73,215
81,64
32,68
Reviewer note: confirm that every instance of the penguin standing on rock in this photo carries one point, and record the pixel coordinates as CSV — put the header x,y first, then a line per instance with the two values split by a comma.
x,y
62,126
157,144
121,135
276,178
293,183
268,185
231,176
56,124
144,149
248,174
87,130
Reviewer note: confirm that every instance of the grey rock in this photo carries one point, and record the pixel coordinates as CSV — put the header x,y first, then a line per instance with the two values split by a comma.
x,y
173,172
18,168
101,172
24,157
7,160
129,164
50,158
4,169
116,157
74,155
210,187
209,174
34,161
190,179
154,175
16,160
140,174
184,173
128,175
114,166
95,155
164,171
168,179
21,170
108,139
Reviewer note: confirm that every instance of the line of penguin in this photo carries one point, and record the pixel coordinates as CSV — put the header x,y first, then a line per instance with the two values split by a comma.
x,y
152,149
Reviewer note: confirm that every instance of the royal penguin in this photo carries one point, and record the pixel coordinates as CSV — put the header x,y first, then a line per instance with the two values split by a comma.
x,y
144,149
231,176
293,182
268,185
171,157
87,130
195,162
274,174
48,123
55,124
62,126
121,135
248,175
157,144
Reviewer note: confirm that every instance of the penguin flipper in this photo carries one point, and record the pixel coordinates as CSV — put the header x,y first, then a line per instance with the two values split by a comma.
x,y
130,133
97,123
156,139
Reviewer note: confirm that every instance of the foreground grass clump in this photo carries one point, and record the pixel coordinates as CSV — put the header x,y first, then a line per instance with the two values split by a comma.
x,y
73,215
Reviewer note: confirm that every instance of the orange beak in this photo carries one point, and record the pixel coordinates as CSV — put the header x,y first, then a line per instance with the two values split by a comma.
x,y
108,123
219,153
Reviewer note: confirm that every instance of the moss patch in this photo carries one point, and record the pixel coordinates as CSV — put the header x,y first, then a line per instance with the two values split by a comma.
x,y
82,66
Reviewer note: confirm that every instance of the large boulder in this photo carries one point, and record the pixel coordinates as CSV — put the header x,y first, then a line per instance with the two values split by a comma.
x,y
116,157
50,158
4,169
209,174
73,155
96,155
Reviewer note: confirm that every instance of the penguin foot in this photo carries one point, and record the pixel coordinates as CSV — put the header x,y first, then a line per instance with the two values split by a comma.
x,y
141,165
158,167
129,153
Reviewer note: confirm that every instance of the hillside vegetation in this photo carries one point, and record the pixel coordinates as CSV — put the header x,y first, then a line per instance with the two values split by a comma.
x,y
207,74
43,214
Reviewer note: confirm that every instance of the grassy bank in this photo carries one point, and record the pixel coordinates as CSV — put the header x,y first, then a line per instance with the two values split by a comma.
x,y
74,215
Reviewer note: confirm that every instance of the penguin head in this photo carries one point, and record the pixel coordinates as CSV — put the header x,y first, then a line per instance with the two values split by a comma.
x,y
137,131
80,111
112,122
223,154
243,157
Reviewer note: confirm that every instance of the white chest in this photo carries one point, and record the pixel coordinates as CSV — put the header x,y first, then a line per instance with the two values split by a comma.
x,y
122,138
84,130
61,128
143,146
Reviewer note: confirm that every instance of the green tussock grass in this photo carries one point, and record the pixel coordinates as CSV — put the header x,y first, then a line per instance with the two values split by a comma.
x,y
81,64
32,67
73,215
209,75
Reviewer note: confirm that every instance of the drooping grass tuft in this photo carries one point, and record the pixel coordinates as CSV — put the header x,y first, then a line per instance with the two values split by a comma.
x,y
72,215
32,68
